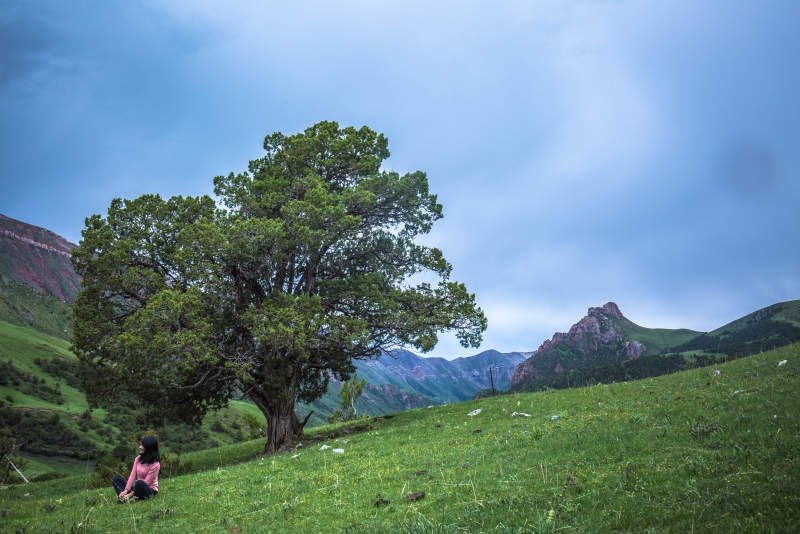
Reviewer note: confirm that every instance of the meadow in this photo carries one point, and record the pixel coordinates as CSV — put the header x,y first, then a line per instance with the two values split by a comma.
x,y
707,450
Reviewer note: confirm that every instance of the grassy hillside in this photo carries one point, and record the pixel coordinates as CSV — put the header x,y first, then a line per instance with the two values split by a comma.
x,y
767,328
698,451
24,306
658,339
41,403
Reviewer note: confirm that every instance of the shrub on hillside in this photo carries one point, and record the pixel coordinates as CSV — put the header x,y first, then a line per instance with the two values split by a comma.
x,y
49,475
43,432
173,466
185,438
62,369
109,466
30,384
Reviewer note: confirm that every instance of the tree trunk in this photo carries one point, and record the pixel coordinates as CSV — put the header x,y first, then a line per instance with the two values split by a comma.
x,y
283,425
280,431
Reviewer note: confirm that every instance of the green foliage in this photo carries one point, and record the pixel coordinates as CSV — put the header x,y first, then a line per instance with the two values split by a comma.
x,y
61,369
689,451
45,433
216,426
172,465
256,428
109,466
305,268
28,383
351,391
56,437
186,438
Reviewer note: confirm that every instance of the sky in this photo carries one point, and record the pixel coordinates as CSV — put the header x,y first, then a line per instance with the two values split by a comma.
x,y
644,153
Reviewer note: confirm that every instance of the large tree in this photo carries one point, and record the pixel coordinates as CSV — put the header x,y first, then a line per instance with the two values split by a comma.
x,y
300,266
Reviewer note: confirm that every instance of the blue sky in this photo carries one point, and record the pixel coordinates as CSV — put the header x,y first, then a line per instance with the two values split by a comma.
x,y
644,153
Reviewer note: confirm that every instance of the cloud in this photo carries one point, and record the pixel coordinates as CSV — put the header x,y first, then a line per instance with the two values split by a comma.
x,y
583,151
21,51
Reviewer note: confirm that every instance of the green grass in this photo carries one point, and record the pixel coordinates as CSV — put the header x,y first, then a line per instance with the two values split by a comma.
x,y
658,339
22,346
688,452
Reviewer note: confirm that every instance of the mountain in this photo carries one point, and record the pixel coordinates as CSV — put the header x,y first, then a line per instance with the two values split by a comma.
x,y
605,347
37,281
768,328
37,258
604,336
402,380
442,380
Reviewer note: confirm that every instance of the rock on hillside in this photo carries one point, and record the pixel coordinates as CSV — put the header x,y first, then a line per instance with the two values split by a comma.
x,y
38,258
600,337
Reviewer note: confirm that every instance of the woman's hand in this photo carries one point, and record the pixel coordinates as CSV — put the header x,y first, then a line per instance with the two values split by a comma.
x,y
125,495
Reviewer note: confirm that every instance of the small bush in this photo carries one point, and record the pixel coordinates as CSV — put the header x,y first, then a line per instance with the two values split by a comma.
x,y
173,466
108,467
256,429
217,426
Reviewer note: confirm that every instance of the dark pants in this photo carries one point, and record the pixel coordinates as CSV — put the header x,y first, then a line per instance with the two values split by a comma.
x,y
140,489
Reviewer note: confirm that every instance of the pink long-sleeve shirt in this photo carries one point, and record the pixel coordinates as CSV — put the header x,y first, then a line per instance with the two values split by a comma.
x,y
146,472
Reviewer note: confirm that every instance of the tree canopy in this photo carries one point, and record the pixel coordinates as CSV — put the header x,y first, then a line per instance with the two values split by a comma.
x,y
302,264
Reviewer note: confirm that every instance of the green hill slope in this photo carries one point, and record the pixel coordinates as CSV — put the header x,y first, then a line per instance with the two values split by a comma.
x,y
24,306
708,450
767,328
40,401
658,339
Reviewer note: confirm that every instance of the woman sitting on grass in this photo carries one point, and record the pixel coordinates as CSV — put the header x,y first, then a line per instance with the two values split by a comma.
x,y
143,482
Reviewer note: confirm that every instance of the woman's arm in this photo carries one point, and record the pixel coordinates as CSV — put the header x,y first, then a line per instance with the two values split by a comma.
x,y
132,477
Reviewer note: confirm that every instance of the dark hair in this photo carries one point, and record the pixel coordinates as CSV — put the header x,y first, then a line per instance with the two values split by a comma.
x,y
150,454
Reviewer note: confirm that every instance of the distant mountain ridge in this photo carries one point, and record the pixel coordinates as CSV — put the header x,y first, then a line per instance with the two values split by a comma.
x,y
403,380
38,258
443,380
768,328
606,346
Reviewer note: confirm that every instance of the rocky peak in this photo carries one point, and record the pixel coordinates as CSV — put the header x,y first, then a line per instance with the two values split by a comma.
x,y
596,327
609,308
598,338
